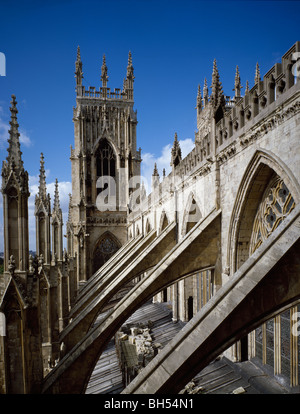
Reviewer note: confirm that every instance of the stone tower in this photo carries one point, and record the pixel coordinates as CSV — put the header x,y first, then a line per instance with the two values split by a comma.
x,y
104,160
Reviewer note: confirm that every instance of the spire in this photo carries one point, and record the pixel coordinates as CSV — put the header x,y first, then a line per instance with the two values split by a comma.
x,y
42,182
216,86
257,74
129,78
237,83
104,77
14,157
175,152
78,68
205,93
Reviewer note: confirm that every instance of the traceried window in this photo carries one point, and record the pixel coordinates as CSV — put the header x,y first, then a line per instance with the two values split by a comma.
x,y
272,343
276,205
106,247
106,160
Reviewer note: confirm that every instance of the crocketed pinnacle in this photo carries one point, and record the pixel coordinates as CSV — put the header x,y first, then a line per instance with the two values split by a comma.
x,y
14,157
216,86
56,202
130,67
104,76
199,98
247,87
205,92
175,152
155,171
257,74
237,83
42,181
78,68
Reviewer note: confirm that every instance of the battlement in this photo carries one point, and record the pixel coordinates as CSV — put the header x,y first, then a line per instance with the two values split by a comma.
x,y
102,93
240,113
242,110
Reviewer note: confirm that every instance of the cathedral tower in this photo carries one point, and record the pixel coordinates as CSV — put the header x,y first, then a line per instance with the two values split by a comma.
x,y
104,160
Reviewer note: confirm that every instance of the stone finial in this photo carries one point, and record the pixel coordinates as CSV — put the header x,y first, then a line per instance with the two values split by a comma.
x,y
175,152
257,74
155,171
216,86
42,179
78,68
199,99
56,205
129,65
237,83
205,93
104,77
247,87
14,157
128,86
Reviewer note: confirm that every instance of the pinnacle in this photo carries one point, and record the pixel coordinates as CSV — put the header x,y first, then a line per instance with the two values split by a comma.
x,y
155,171
14,153
56,206
78,53
42,182
257,74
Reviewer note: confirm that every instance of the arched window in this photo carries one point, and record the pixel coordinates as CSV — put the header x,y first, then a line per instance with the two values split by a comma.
x,y
105,165
105,160
105,249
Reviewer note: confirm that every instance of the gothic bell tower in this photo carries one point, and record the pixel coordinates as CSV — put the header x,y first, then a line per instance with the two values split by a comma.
x,y
104,161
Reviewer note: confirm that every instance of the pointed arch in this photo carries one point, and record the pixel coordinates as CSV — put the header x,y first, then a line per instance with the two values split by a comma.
x,y
105,156
262,169
106,246
148,226
137,231
12,306
164,222
192,214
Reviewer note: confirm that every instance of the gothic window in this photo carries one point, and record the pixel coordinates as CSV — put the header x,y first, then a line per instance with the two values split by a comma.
x,y
105,167
106,248
106,160
271,343
276,205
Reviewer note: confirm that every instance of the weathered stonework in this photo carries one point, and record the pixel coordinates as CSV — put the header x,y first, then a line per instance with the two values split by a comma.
x,y
195,241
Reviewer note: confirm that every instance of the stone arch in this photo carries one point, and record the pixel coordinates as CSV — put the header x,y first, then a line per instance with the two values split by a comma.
x,y
192,214
105,248
137,231
263,167
164,222
105,156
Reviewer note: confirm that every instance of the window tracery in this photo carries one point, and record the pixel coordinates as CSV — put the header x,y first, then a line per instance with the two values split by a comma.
x,y
276,204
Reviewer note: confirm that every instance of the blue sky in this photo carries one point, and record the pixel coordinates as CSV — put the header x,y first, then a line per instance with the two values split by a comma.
x,y
173,45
